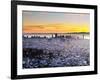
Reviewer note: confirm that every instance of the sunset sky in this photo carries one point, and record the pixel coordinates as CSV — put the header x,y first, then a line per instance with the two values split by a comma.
x,y
54,22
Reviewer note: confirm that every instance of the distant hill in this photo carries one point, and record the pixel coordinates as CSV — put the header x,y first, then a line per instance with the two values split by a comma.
x,y
60,33
79,33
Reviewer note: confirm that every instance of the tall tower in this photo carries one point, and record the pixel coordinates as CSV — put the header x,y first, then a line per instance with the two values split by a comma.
x,y
55,34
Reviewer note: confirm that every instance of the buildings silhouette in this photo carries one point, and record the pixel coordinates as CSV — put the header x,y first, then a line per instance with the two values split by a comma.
x,y
56,35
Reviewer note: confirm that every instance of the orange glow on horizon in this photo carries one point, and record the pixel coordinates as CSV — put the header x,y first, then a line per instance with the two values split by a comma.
x,y
56,28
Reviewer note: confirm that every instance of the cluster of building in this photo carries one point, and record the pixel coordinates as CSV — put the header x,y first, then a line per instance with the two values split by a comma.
x,y
56,35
